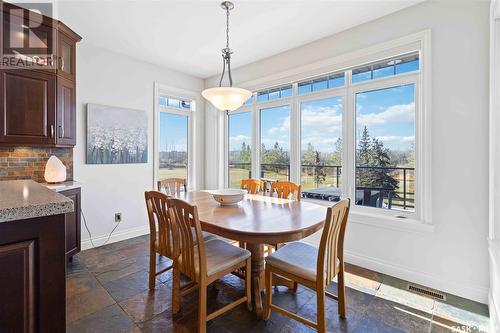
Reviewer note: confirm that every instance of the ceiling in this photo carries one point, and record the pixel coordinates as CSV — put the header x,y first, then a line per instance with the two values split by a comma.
x,y
188,35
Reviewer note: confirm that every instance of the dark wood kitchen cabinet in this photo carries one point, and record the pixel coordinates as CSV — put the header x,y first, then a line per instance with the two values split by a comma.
x,y
38,104
72,221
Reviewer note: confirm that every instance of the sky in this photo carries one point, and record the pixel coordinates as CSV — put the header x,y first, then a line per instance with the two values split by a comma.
x,y
389,115
173,132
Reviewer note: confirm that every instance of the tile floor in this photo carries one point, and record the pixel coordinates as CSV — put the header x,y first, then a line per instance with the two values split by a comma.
x,y
107,291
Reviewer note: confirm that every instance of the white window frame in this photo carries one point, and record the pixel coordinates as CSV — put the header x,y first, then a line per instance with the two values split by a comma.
x,y
164,90
421,219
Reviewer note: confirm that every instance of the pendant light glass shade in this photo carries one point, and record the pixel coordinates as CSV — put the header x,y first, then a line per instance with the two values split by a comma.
x,y
226,98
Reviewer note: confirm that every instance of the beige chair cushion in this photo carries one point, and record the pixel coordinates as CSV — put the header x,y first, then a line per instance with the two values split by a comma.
x,y
220,256
296,258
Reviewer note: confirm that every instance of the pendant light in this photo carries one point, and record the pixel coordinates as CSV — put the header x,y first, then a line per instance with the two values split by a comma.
x,y
226,98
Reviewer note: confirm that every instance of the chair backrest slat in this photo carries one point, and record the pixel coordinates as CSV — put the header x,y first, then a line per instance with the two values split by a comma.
x,y
160,225
188,238
172,186
286,190
332,240
253,186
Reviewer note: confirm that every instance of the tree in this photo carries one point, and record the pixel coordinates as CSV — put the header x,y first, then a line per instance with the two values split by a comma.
x,y
373,162
336,157
381,159
275,155
245,153
315,168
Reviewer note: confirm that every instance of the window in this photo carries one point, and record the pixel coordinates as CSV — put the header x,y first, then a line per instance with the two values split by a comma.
x,y
322,83
385,68
240,149
173,148
275,143
385,147
275,93
353,133
321,148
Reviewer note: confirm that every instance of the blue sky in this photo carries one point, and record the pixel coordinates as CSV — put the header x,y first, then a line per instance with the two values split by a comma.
x,y
173,132
389,115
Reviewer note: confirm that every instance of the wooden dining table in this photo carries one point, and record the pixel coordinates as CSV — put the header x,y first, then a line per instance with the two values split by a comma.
x,y
258,220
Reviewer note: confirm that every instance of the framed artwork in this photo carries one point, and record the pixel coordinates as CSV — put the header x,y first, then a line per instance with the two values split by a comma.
x,y
116,135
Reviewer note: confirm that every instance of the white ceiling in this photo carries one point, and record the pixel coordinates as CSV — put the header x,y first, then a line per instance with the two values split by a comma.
x,y
188,35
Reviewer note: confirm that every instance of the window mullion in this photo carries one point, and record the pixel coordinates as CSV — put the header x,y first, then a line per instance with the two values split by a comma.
x,y
295,137
348,141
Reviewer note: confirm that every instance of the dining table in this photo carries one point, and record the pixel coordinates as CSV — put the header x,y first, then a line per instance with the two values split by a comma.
x,y
258,220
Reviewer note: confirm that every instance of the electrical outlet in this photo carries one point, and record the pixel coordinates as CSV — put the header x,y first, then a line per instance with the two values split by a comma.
x,y
118,217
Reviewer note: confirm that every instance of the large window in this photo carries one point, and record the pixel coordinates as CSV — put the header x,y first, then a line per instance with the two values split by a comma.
x,y
173,147
351,133
275,143
321,147
240,148
385,147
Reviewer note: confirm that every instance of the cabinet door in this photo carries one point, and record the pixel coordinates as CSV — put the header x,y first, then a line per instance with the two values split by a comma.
x,y
18,290
66,56
28,111
66,112
73,224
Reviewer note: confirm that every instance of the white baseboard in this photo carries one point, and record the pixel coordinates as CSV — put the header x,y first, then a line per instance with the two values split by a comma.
x,y
115,237
477,294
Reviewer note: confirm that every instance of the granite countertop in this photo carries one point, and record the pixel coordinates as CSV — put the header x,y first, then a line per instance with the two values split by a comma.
x,y
23,199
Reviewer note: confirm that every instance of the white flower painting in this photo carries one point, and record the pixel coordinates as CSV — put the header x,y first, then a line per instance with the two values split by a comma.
x,y
116,135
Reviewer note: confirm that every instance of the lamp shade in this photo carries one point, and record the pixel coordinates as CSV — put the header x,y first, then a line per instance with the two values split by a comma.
x,y
226,98
55,171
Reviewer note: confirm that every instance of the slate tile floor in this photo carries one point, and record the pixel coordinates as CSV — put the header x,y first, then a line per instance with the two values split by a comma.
x,y
107,291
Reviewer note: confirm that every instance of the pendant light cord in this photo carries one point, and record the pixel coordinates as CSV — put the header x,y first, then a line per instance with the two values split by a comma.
x,y
226,55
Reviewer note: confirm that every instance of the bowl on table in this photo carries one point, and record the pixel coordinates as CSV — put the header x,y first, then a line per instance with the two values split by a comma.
x,y
228,197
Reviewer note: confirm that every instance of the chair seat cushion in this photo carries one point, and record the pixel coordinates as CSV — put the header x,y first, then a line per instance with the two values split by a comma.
x,y
296,258
220,256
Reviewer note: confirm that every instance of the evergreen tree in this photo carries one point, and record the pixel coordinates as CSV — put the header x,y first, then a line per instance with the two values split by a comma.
x,y
336,157
245,153
317,170
380,158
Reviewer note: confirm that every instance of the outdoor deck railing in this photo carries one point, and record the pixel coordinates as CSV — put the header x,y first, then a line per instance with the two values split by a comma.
x,y
401,197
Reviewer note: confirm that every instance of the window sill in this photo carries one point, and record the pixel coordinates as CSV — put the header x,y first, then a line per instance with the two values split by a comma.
x,y
383,221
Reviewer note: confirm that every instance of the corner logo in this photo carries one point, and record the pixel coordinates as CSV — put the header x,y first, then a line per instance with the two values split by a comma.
x,y
28,36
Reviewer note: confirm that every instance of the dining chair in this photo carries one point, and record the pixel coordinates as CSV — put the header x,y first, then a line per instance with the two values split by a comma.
x,y
203,262
160,232
172,186
286,190
253,186
312,267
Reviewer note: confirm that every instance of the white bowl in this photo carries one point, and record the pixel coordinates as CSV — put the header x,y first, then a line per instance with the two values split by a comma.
x,y
228,196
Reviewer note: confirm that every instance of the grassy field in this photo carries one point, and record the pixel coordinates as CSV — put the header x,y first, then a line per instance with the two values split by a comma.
x,y
172,173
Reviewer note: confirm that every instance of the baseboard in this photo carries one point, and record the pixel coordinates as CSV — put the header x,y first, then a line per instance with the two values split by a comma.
x,y
463,290
494,314
115,237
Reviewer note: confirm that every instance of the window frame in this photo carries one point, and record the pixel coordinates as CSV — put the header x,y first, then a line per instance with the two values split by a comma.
x,y
421,219
164,90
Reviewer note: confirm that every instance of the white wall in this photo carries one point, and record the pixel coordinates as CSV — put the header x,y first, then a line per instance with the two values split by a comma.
x,y
454,256
104,77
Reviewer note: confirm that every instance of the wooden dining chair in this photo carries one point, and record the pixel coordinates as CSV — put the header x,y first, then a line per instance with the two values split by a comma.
x,y
253,186
160,232
203,262
172,186
313,267
286,190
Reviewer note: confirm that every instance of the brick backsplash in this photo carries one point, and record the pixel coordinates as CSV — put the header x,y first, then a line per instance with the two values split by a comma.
x,y
29,162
